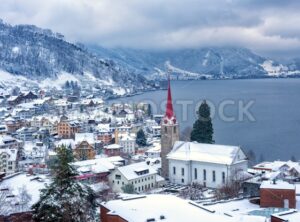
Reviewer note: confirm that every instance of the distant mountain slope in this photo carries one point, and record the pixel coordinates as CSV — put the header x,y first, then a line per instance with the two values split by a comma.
x,y
40,54
217,62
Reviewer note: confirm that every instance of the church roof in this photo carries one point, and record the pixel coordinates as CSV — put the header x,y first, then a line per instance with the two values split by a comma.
x,y
169,117
210,153
169,108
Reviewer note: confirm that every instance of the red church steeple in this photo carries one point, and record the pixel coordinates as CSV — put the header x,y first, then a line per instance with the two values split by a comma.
x,y
169,117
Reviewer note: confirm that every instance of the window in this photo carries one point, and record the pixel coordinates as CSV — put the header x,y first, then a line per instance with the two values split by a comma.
x,y
204,174
166,130
214,176
174,170
118,177
223,177
174,130
195,173
182,171
182,180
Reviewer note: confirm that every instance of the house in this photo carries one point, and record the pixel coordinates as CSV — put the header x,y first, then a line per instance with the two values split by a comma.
x,y
25,133
113,150
8,160
141,175
14,100
278,194
157,207
3,129
29,96
10,142
84,151
210,165
85,146
155,130
154,150
128,143
95,170
67,129
282,166
13,124
104,136
104,133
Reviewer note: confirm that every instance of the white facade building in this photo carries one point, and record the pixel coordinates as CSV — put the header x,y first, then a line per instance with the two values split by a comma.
x,y
207,164
141,175
128,143
8,160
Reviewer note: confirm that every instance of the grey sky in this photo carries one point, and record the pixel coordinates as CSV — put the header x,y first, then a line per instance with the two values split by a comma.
x,y
269,27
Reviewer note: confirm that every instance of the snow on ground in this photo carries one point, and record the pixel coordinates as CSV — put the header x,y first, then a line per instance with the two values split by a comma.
x,y
273,70
33,187
119,91
5,76
234,207
8,81
15,50
59,81
205,60
184,72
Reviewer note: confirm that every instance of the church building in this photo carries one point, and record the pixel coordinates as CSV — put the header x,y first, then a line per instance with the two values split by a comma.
x,y
210,165
169,133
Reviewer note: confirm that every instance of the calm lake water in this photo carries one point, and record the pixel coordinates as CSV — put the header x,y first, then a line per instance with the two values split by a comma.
x,y
271,127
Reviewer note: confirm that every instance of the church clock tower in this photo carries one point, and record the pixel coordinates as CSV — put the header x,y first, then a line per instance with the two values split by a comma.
x,y
169,133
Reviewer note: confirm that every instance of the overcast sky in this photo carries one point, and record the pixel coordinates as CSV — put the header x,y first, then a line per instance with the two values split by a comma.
x,y
269,27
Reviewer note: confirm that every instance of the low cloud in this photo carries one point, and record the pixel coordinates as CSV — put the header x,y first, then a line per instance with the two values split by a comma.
x,y
269,27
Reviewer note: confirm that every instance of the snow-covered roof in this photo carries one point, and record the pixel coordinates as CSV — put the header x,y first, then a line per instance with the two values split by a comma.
x,y
276,165
156,148
4,139
291,215
113,146
32,186
126,137
12,154
281,185
172,208
89,137
96,165
212,153
130,171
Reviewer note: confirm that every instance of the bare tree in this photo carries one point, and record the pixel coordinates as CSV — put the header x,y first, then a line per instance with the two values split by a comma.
x,y
24,199
186,134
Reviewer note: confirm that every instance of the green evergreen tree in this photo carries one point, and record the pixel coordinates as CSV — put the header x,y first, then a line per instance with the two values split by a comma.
x,y
65,199
149,110
203,129
141,138
251,158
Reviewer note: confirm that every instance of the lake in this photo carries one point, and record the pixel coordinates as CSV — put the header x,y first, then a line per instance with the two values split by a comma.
x,y
261,114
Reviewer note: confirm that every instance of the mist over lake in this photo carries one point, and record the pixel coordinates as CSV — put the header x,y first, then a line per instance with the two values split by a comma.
x,y
270,126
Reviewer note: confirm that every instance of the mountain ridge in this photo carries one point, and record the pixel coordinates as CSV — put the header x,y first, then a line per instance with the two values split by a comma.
x,y
38,54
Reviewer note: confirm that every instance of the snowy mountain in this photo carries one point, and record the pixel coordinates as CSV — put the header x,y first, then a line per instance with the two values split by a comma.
x,y
212,62
37,56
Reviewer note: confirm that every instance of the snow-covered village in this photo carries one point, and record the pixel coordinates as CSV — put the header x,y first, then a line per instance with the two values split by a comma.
x,y
149,111
134,165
